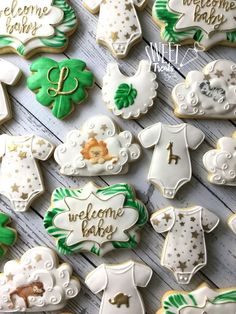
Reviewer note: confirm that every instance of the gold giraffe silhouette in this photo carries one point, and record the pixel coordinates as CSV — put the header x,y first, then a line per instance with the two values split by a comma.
x,y
171,156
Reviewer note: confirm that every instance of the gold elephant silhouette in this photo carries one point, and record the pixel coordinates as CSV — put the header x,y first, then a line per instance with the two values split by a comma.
x,y
120,299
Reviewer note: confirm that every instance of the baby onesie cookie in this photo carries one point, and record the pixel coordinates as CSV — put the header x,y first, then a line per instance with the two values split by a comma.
x,y
129,97
203,300
208,94
119,285
28,27
8,235
98,148
118,26
206,23
9,75
232,223
95,219
20,178
221,162
36,283
60,85
171,165
184,251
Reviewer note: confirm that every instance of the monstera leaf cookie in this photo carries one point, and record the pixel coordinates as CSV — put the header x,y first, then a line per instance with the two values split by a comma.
x,y
7,235
60,85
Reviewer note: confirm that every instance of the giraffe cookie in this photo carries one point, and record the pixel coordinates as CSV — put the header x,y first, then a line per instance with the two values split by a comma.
x,y
184,251
118,27
36,283
119,285
203,300
20,177
60,85
8,235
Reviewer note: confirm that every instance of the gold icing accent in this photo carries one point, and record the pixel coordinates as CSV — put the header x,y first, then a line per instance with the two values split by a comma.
x,y
171,156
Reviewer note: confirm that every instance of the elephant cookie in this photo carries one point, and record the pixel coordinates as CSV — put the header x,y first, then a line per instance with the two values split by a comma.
x,y
221,162
203,300
60,85
129,97
118,27
28,27
36,283
119,285
206,23
98,148
207,94
8,235
95,219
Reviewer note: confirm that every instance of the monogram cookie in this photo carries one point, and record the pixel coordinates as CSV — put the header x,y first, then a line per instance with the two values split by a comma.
x,y
208,94
60,85
98,148
206,23
203,300
28,27
129,97
95,219
118,27
36,283
184,250
221,162
119,285
8,235
171,165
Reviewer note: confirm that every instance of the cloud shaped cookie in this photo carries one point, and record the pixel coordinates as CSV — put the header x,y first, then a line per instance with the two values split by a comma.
x,y
36,283
221,162
208,94
98,148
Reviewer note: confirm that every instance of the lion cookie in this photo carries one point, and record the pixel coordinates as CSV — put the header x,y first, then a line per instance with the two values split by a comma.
x,y
60,85
221,162
28,27
36,283
8,235
171,165
207,23
119,285
118,26
98,148
203,300
209,94
184,251
20,178
129,97
95,219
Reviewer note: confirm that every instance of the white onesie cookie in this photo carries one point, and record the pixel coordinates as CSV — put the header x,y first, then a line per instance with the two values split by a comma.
x,y
129,96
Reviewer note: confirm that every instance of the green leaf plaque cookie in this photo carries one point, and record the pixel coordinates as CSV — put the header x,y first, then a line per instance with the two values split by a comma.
x,y
7,235
125,96
60,85
95,219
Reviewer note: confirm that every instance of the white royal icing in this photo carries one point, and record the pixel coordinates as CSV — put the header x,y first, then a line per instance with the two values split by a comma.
x,y
232,223
143,82
221,162
208,94
97,149
46,285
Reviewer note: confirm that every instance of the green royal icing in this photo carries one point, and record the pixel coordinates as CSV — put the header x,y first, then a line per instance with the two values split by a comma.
x,y
125,96
60,85
7,235
61,235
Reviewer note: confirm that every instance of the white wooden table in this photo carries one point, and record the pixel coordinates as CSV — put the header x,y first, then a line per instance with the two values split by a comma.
x,y
31,117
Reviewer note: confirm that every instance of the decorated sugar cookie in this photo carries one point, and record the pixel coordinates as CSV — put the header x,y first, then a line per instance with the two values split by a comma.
x,y
184,251
98,148
20,178
221,162
119,285
203,300
60,85
171,165
207,23
95,219
9,75
36,283
129,97
118,27
208,94
232,223
28,27
8,235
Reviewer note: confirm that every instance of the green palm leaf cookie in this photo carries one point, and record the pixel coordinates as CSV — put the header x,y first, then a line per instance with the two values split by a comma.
x,y
60,85
125,96
7,235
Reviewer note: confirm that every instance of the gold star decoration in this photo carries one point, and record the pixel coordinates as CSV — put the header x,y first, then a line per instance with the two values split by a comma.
x,y
38,258
24,196
127,36
41,142
12,148
181,216
9,276
156,222
133,28
182,224
207,77
219,73
195,234
22,155
92,134
114,36
128,7
233,75
15,188
167,217
201,255
104,127
195,263
182,266
192,219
